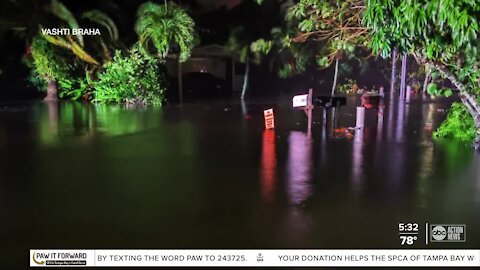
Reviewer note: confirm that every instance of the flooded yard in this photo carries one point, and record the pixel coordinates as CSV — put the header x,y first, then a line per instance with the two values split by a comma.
x,y
208,175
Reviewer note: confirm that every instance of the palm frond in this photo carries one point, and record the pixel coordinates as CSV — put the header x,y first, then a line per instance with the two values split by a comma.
x,y
103,19
71,45
58,41
161,26
82,54
62,12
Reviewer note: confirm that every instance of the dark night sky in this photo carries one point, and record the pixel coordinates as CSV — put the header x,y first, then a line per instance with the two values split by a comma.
x,y
218,3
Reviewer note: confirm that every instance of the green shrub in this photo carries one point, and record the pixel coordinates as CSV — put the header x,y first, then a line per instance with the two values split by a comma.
x,y
74,87
434,90
459,124
133,78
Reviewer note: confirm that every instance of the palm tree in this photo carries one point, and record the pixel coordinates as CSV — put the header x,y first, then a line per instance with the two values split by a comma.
x,y
26,19
77,45
165,25
239,43
49,65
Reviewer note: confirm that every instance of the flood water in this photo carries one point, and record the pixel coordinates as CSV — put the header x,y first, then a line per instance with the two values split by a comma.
x,y
207,175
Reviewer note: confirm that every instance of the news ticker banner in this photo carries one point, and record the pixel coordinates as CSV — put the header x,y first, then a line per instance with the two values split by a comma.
x,y
256,258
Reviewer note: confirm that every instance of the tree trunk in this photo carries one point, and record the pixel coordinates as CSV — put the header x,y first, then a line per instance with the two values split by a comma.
x,y
467,98
427,78
52,91
180,81
246,78
335,76
394,71
470,102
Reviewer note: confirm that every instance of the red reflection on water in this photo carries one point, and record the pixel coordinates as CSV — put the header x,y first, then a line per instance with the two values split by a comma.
x,y
340,133
269,165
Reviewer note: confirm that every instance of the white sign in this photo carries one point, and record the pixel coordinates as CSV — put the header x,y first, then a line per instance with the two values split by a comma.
x,y
256,258
300,101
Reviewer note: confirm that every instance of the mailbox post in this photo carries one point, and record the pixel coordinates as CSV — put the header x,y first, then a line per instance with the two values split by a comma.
x,y
305,102
360,121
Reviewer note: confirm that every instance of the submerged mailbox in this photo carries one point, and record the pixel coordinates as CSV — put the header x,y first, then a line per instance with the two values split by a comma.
x,y
304,102
300,101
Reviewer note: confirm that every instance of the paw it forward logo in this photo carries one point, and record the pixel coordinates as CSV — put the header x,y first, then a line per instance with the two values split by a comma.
x,y
36,261
45,258
447,233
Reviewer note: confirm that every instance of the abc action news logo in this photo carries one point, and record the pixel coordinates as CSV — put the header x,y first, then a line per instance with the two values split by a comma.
x,y
447,233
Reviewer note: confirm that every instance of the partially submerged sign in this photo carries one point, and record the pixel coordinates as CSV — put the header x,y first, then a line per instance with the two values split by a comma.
x,y
269,119
300,101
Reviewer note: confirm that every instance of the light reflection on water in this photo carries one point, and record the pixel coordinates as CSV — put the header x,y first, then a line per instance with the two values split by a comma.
x,y
299,167
358,175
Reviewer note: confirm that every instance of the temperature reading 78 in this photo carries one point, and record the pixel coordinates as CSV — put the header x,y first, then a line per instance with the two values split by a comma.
x,y
408,239
408,233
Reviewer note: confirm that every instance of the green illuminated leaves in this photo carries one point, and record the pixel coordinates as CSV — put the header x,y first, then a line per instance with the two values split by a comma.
x,y
163,26
47,62
306,25
337,23
322,61
131,78
62,12
434,90
458,125
261,46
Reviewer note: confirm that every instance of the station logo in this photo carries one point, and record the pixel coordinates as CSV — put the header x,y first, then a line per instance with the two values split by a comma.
x,y
447,233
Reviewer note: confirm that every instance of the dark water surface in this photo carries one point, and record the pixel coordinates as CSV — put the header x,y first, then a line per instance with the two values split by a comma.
x,y
208,176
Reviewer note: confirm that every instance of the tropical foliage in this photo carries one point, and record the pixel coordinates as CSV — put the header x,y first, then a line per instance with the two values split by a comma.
x,y
290,58
76,66
48,62
320,32
349,87
241,42
440,33
132,78
76,44
163,26
458,125
337,23
434,90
